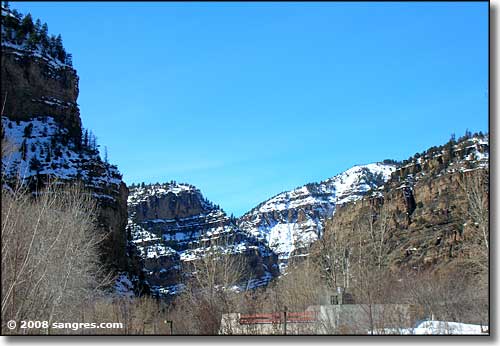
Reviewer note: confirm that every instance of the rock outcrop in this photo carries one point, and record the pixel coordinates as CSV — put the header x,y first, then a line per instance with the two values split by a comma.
x,y
41,123
37,85
171,226
425,206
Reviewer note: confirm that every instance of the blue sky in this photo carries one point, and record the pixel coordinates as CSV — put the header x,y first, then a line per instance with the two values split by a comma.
x,y
246,100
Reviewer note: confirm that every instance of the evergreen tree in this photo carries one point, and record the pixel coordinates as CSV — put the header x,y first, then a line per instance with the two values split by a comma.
x,y
27,24
17,14
20,36
38,27
9,34
60,53
52,46
105,154
452,138
449,146
92,142
44,37
468,134
69,60
32,41
86,140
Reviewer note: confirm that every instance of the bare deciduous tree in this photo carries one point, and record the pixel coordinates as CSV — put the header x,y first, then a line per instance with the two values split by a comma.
x,y
49,256
216,274
475,186
334,256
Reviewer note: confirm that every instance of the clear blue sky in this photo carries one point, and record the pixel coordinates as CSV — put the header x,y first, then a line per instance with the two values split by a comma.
x,y
245,100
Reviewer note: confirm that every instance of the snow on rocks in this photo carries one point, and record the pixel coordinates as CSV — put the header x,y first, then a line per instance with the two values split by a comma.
x,y
292,220
39,149
123,286
141,194
169,246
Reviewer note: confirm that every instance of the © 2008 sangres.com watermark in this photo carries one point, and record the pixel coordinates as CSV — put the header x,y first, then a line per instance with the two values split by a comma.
x,y
75,326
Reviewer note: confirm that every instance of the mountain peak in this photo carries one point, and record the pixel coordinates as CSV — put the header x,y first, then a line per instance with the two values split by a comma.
x,y
292,220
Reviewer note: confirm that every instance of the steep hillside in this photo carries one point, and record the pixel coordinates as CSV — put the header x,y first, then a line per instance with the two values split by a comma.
x,y
291,221
42,137
433,210
171,225
37,76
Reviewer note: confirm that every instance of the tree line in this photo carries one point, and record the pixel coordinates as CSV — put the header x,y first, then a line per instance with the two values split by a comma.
x,y
22,30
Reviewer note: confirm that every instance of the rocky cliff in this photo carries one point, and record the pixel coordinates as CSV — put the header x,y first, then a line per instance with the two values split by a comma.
x,y
42,126
34,83
426,207
172,225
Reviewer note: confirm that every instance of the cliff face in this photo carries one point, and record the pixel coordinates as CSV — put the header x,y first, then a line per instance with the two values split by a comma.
x,y
178,203
33,85
113,218
171,226
426,208
41,122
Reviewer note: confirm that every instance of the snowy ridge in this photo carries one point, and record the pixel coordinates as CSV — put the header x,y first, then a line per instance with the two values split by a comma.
x,y
343,188
22,50
21,46
39,149
291,221
142,194
469,154
167,245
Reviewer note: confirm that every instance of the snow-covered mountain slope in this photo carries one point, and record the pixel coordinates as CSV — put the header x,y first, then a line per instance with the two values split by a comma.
x,y
291,221
172,224
42,147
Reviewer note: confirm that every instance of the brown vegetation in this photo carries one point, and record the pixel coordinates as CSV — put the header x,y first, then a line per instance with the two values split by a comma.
x,y
49,258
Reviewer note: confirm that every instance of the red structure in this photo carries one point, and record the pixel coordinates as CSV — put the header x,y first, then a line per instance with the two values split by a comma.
x,y
278,317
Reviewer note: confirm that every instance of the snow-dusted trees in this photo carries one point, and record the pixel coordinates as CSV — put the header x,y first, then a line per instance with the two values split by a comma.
x,y
89,142
21,30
